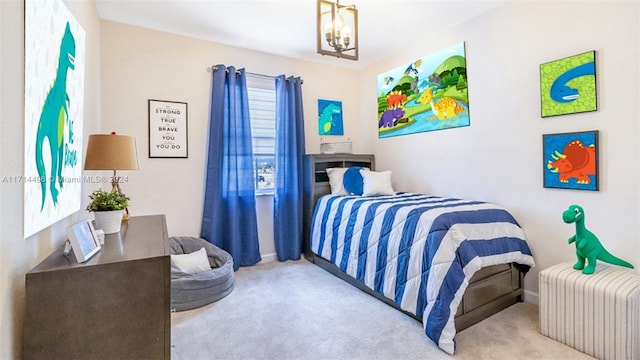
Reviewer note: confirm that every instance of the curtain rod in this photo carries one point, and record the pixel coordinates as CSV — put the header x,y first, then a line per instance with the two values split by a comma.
x,y
214,68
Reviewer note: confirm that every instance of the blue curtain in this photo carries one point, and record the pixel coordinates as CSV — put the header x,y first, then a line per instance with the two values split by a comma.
x,y
229,216
287,203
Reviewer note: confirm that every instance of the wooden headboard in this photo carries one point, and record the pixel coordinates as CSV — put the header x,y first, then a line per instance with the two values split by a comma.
x,y
316,182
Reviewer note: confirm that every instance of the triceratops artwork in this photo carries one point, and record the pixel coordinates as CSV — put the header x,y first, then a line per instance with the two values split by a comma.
x,y
571,160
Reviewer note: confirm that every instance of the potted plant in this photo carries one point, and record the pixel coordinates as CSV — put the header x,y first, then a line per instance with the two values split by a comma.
x,y
108,208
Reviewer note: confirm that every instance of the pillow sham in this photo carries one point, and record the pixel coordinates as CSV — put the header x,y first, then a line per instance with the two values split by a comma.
x,y
335,181
352,180
193,263
376,183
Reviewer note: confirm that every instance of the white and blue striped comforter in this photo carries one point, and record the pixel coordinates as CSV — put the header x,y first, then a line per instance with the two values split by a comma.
x,y
417,250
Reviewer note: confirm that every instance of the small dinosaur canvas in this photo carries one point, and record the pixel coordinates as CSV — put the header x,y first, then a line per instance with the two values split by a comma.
x,y
568,86
588,247
571,160
330,117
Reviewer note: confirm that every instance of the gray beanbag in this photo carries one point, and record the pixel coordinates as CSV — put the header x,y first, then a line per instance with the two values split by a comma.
x,y
189,291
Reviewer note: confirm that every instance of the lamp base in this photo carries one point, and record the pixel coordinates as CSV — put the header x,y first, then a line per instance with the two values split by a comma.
x,y
115,186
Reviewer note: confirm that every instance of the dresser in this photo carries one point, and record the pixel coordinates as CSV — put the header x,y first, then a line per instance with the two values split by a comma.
x,y
114,306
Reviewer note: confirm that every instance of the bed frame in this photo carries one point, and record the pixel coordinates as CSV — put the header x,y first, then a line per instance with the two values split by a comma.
x,y
490,290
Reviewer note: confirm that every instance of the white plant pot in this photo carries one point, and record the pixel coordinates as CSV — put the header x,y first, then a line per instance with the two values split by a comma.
x,y
108,221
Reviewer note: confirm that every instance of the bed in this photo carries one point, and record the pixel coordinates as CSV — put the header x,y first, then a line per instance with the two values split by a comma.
x,y
447,262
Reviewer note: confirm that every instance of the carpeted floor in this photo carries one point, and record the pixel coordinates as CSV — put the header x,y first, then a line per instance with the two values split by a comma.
x,y
295,310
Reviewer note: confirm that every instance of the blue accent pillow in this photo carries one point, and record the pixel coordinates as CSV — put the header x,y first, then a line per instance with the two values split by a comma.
x,y
352,181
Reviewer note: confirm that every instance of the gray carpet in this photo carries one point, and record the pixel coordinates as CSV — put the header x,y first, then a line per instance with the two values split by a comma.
x,y
295,310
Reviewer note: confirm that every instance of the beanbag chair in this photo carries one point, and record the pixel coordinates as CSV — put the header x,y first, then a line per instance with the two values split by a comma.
x,y
193,284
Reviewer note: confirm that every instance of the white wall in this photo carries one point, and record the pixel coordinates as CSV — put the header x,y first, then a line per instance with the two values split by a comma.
x,y
19,255
498,158
140,64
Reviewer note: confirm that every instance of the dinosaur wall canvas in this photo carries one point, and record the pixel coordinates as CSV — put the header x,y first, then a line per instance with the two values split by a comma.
x,y
570,160
330,117
427,94
568,86
54,99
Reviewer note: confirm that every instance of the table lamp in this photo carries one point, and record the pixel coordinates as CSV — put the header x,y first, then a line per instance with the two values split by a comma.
x,y
112,152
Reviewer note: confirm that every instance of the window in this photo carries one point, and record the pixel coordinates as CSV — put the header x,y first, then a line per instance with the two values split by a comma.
x,y
262,111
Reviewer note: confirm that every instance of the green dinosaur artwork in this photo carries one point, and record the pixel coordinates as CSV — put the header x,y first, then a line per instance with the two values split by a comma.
x,y
330,117
54,98
588,247
54,116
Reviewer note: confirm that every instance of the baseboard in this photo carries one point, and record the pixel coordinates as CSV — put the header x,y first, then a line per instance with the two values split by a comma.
x,y
531,297
266,258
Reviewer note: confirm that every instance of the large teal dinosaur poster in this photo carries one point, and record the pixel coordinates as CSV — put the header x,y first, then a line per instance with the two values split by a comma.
x,y
54,98
428,94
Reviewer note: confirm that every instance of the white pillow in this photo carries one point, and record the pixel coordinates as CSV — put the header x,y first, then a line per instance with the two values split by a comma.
x,y
376,183
335,181
193,263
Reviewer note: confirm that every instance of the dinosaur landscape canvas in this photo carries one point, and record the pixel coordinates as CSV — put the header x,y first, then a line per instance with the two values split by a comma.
x,y
330,117
568,86
570,160
54,99
428,94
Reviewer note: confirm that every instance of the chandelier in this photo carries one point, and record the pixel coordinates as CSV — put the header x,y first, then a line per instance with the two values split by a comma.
x,y
337,30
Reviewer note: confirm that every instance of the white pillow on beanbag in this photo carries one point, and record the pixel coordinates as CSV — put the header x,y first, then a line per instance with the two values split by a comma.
x,y
376,183
335,181
193,263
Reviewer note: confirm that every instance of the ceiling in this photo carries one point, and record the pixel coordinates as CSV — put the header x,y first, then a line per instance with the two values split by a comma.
x,y
288,27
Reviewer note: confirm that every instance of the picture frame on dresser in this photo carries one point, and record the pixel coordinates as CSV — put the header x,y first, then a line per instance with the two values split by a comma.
x,y
84,240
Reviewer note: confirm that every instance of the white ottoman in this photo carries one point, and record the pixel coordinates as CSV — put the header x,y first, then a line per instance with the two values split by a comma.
x,y
597,314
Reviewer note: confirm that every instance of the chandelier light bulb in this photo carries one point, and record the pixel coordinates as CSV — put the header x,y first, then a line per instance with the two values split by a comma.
x,y
328,27
346,31
339,21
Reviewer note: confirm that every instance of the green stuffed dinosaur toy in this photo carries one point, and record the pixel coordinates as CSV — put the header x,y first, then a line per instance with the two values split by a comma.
x,y
588,247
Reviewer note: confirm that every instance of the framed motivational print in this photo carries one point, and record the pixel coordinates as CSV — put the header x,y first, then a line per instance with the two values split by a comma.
x,y
168,136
